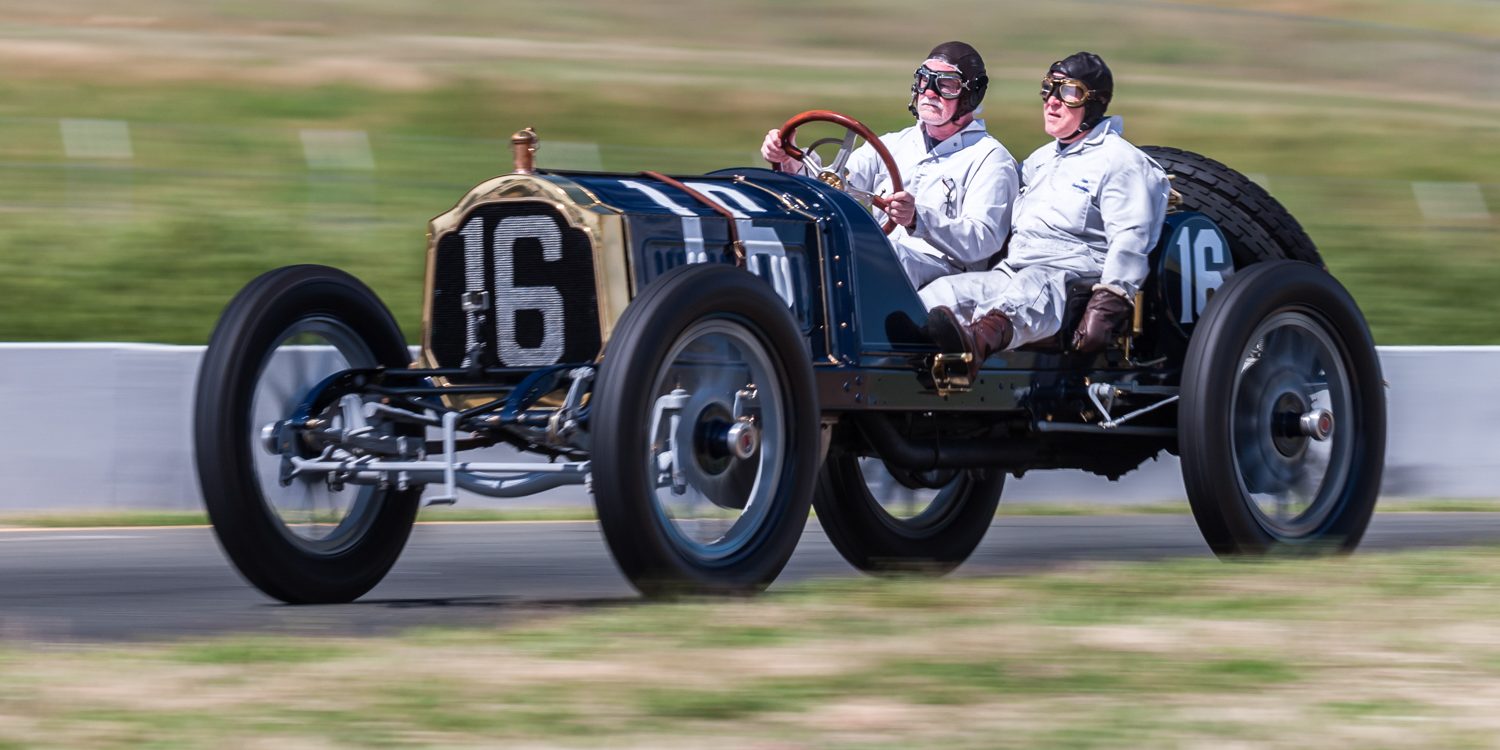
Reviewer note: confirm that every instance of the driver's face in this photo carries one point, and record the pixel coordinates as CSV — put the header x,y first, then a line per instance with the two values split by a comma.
x,y
1059,120
931,108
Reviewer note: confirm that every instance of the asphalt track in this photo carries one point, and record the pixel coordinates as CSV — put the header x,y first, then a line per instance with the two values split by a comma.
x,y
166,584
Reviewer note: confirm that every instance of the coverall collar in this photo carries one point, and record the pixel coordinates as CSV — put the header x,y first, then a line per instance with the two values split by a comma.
x,y
957,140
1111,124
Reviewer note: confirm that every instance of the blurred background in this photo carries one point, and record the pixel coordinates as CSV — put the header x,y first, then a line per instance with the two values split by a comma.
x,y
156,155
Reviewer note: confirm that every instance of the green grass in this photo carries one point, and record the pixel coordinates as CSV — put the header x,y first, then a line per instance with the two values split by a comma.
x,y
1372,709
1181,653
80,519
261,650
126,518
1341,105
460,514
1439,505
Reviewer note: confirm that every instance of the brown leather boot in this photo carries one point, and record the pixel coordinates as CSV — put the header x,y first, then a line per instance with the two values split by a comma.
x,y
1103,322
989,334
947,331
992,333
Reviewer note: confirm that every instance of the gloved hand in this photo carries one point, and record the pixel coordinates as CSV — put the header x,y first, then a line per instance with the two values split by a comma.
x,y
1103,321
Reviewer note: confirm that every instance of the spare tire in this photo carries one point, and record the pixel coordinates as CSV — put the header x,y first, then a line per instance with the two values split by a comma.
x,y
1257,226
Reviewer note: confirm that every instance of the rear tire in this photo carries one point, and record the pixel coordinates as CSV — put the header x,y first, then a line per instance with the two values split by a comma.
x,y
1281,340
876,538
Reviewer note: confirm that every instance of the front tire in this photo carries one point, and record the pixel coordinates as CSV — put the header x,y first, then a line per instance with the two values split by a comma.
x,y
1281,346
303,542
700,350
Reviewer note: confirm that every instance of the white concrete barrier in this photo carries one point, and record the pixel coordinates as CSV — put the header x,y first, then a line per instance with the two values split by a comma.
x,y
99,426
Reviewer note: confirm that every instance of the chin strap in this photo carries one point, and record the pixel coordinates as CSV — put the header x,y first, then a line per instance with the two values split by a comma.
x,y
1082,128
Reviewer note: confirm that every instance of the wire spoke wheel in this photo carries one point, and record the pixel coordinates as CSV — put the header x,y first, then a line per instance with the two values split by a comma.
x,y
316,517
711,501
1292,372
705,427
1282,419
887,519
298,538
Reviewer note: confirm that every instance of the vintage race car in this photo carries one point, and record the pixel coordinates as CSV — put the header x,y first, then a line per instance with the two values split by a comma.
x,y
713,355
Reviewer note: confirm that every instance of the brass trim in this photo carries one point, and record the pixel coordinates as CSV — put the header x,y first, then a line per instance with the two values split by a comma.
x,y
614,278
823,274
523,145
602,224
735,245
820,260
897,355
816,251
950,373
1138,315
1174,198
1137,326
615,281
819,256
784,199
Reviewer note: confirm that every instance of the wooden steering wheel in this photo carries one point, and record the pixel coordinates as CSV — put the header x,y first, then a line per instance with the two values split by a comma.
x,y
833,174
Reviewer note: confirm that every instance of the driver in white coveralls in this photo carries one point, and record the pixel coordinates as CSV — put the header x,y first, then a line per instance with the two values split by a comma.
x,y
1091,206
960,182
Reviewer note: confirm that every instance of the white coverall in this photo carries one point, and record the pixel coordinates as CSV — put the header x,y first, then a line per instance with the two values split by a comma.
x,y
964,189
1093,208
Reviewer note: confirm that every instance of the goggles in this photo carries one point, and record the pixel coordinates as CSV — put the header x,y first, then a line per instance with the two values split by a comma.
x,y
1070,91
948,84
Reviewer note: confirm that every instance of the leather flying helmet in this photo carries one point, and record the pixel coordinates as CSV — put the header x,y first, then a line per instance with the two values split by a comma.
x,y
1098,83
971,77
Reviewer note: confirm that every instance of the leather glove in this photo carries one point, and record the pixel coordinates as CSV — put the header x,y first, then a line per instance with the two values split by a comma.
x,y
1103,321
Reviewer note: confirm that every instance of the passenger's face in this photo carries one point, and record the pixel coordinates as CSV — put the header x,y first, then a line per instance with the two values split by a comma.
x,y
1058,119
931,108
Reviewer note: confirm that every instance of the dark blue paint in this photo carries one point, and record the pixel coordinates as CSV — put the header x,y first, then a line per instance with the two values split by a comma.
x,y
873,313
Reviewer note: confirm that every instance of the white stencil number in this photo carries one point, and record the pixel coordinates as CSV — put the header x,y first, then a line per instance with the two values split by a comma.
x,y
1204,260
509,299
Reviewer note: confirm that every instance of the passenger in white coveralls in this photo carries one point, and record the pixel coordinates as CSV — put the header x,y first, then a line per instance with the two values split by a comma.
x,y
960,182
1091,206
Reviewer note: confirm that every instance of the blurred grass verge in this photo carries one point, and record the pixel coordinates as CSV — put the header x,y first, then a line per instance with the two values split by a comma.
x,y
145,518
205,143
127,518
1388,650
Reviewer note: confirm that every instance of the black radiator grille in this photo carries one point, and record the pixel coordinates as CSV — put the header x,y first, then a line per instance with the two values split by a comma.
x,y
532,274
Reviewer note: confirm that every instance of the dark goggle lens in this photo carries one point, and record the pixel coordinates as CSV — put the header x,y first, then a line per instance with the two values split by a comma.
x,y
947,85
1068,91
